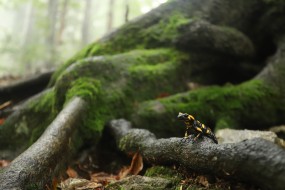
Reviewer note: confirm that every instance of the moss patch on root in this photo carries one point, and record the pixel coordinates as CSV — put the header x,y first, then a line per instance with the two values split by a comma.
x,y
131,36
164,172
25,127
219,107
107,83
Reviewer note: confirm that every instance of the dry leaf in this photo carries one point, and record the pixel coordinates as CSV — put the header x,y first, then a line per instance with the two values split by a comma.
x,y
6,104
103,178
135,167
72,183
203,181
2,120
71,172
162,95
90,185
4,163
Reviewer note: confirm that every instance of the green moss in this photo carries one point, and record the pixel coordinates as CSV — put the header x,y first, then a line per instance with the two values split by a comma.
x,y
46,101
129,37
225,122
45,113
107,83
165,32
79,56
32,186
222,106
86,88
164,172
90,90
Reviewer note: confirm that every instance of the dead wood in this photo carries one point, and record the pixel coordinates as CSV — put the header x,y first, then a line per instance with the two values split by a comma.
x,y
45,159
257,161
26,87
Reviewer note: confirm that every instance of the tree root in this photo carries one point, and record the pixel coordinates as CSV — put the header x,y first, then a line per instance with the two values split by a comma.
x,y
257,161
25,88
35,167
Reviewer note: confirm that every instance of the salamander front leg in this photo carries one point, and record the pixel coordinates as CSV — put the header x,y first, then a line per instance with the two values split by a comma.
x,y
197,137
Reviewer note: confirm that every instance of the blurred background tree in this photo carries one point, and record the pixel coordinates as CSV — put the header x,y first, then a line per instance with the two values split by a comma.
x,y
38,35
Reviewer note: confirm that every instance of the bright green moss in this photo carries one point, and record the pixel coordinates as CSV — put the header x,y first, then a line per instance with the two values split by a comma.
x,y
132,36
227,106
165,32
165,172
46,102
86,88
107,83
45,113
162,171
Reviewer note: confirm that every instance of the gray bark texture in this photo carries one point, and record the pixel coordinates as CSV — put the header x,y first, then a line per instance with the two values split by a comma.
x,y
257,161
36,167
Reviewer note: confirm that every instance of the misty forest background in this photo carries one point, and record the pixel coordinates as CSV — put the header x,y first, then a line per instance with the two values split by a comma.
x,y
38,35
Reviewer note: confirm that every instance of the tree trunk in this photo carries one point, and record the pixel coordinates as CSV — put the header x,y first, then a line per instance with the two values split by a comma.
x,y
86,23
127,10
28,32
62,23
51,38
110,16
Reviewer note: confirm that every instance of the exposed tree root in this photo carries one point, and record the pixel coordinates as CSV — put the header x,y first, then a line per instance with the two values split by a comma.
x,y
25,88
35,167
257,161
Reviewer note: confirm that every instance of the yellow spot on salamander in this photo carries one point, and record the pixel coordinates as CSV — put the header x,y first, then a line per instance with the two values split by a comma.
x,y
190,117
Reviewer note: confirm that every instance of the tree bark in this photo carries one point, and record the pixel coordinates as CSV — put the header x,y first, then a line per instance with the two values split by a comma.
x,y
25,88
254,161
45,159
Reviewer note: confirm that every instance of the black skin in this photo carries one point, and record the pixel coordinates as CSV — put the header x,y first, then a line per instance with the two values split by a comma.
x,y
196,127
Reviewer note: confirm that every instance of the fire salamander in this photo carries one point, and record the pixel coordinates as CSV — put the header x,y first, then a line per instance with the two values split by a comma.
x,y
196,127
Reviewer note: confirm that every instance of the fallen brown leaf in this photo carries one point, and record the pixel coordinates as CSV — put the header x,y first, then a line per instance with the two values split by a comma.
x,y
162,95
2,120
4,163
71,172
103,178
6,104
135,167
90,185
203,181
72,183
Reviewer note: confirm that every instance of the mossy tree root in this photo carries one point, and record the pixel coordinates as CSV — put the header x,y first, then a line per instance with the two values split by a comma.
x,y
45,159
254,161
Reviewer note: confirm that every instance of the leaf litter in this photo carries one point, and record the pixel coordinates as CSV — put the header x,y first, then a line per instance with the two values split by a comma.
x,y
99,180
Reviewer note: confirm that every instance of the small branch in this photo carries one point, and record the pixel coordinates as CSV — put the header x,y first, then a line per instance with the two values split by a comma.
x,y
44,159
257,161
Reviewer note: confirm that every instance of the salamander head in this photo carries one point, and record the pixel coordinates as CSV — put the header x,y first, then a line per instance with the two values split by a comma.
x,y
185,117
